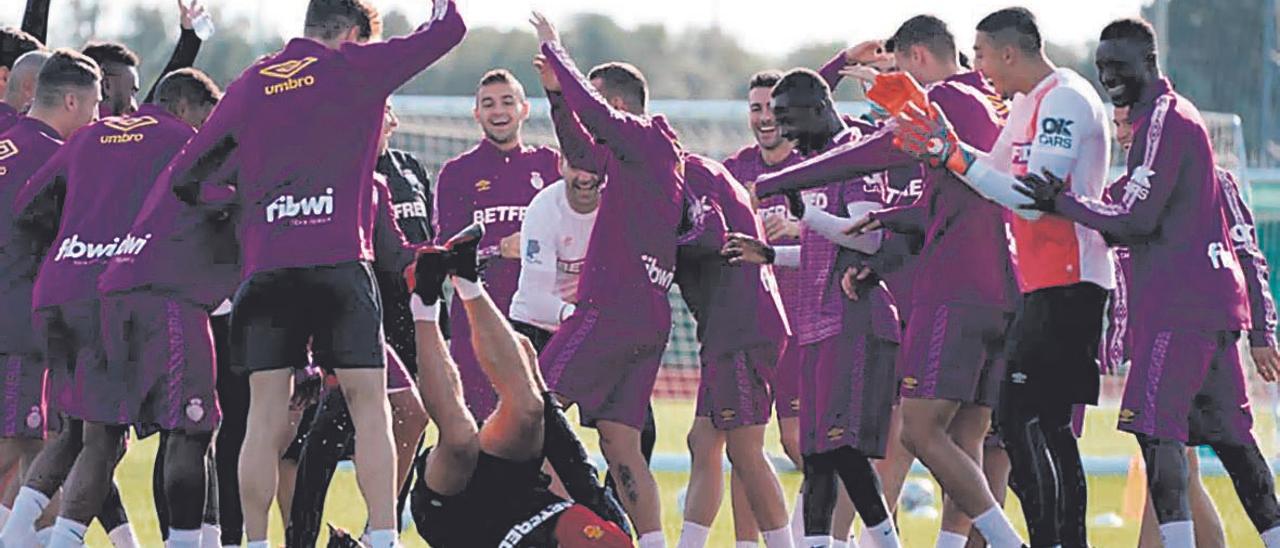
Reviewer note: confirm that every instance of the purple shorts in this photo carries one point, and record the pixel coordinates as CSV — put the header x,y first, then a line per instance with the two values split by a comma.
x,y
846,393
23,410
954,352
1186,386
734,388
162,347
398,379
71,337
592,362
786,381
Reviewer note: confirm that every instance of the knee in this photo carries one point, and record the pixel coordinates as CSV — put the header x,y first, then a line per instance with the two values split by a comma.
x,y
702,441
746,454
458,447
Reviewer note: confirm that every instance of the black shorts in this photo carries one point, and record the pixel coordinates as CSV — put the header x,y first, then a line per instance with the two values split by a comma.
x,y
505,504
537,335
335,310
1053,345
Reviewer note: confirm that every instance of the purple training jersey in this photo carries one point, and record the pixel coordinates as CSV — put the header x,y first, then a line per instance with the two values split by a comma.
x,y
747,165
305,123
24,149
101,177
1171,216
740,304
630,261
8,116
493,187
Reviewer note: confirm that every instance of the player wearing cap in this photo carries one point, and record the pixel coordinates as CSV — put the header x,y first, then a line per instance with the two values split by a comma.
x,y
304,175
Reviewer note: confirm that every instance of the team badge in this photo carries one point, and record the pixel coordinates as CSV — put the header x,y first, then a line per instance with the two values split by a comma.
x,y
412,177
1018,378
535,180
1127,416
728,414
483,185
8,149
127,124
835,433
593,532
910,383
34,418
287,69
195,410
795,404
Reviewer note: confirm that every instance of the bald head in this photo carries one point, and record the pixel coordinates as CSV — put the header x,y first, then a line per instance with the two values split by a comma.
x,y
21,87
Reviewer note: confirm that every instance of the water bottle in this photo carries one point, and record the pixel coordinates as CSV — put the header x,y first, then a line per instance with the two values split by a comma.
x,y
203,26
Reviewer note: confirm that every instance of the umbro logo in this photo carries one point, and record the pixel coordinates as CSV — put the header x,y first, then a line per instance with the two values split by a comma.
x,y
130,123
287,69
8,149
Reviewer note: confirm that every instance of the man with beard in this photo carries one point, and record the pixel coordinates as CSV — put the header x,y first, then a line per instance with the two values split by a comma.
x,y
492,184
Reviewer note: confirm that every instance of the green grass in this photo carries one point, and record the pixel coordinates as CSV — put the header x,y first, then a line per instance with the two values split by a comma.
x,y
345,507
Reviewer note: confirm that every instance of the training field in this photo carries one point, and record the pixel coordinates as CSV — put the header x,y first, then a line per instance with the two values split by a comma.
x,y
1106,493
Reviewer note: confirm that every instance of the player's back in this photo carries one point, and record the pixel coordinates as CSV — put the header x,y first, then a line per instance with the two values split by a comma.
x,y
965,234
24,149
111,167
1172,146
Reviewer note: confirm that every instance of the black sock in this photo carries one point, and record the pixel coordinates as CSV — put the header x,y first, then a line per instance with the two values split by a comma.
x,y
1254,483
1166,478
863,485
820,490
186,479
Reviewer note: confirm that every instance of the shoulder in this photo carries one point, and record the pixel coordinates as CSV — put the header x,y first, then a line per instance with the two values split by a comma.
x,y
459,163
546,203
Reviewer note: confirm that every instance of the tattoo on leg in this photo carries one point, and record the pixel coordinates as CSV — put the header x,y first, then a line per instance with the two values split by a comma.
x,y
628,484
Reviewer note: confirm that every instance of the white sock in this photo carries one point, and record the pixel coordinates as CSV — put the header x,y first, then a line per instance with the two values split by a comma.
x,y
797,519
818,542
43,536
947,539
882,535
4,514
123,537
467,289
652,539
383,538
183,538
1271,537
778,538
839,544
67,533
693,535
210,536
995,527
752,543
20,529
258,544
1178,534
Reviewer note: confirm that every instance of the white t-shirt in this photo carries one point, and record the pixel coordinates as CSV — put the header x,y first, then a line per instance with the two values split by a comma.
x,y
553,245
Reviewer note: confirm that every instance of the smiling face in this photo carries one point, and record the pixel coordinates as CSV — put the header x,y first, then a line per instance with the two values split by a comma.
x,y
799,114
992,61
501,110
764,125
1125,70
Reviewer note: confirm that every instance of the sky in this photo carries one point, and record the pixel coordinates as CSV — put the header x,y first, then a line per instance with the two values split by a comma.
x,y
763,26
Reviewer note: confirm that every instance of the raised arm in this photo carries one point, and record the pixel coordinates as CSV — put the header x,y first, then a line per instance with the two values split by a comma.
x,y
386,65
211,152
184,54
873,153
35,21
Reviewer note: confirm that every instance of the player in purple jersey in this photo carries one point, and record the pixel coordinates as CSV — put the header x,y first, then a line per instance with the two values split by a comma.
x,y
1185,384
67,95
605,358
304,175
848,338
738,359
952,348
493,184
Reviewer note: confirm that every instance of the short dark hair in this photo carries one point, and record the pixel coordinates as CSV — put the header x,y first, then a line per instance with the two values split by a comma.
x,y
623,80
1134,29
14,43
927,31
66,69
187,83
801,78
327,19
1013,25
106,53
764,79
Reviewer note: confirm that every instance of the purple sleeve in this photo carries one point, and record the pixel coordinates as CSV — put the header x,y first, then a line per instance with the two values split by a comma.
x,y
211,152
392,251
830,72
390,63
625,134
1257,274
454,202
575,143
38,206
908,219
874,153
1150,185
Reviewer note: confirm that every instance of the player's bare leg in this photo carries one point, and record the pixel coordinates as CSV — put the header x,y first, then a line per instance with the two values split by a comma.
x,y
896,464
968,430
706,482
267,434
450,463
409,420
995,465
19,453
48,471
746,452
925,432
88,482
366,393
789,436
620,444
745,528
286,482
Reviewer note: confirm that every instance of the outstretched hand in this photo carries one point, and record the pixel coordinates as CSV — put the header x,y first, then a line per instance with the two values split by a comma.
x,y
741,248
545,30
864,225
1043,190
190,12
550,81
927,135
